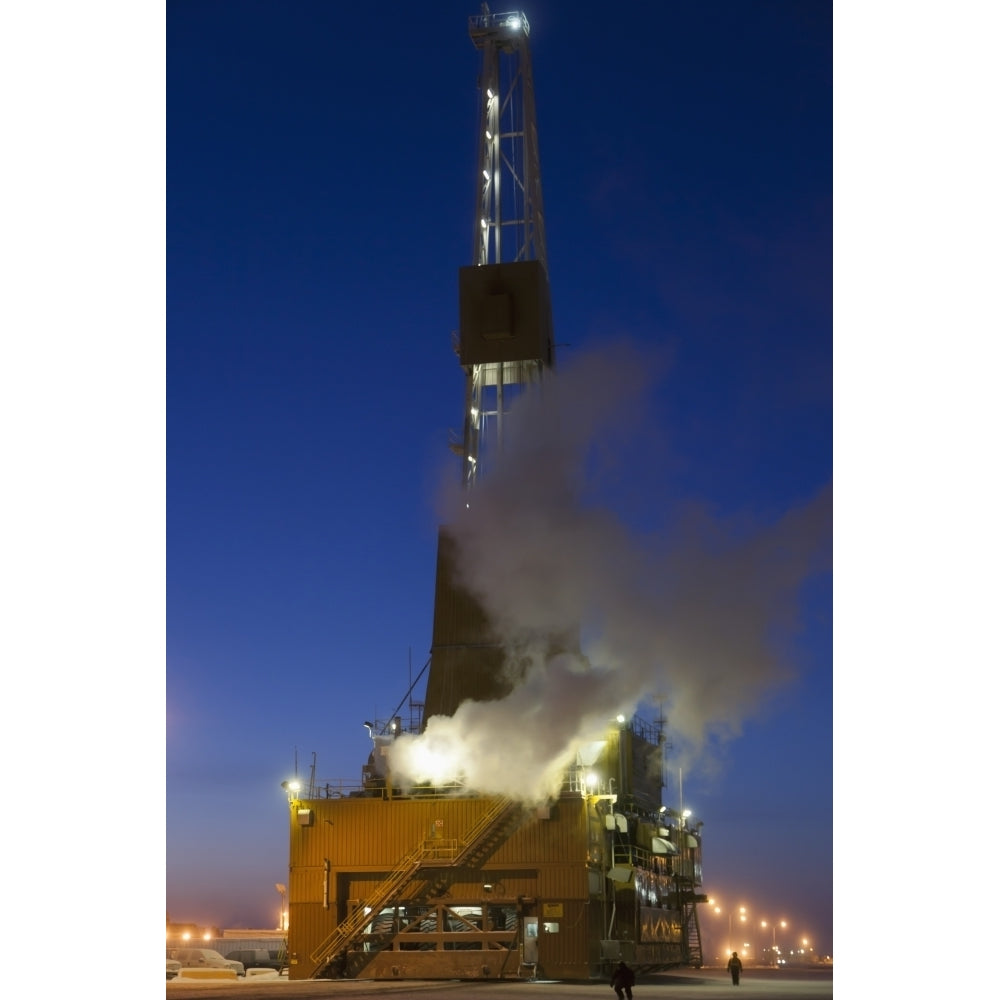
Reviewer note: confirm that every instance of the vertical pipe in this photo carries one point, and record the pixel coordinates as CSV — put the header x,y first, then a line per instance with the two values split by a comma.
x,y
499,410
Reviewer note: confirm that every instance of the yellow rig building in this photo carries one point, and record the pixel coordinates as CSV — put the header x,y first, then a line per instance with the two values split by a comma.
x,y
433,883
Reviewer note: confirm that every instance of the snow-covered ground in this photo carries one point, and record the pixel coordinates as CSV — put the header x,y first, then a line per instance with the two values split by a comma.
x,y
188,976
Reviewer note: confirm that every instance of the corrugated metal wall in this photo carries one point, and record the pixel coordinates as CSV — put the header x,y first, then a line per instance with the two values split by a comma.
x,y
558,839
364,839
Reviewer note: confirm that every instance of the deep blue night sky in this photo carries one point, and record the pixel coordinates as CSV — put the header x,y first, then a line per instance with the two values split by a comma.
x,y
320,182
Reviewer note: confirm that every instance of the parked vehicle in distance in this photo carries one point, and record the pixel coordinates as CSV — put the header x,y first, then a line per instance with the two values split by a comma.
x,y
258,958
204,958
173,967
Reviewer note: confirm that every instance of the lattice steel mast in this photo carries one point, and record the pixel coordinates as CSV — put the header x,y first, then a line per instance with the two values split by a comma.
x,y
505,330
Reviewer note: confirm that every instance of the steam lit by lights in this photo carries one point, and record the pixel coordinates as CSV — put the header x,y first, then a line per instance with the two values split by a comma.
x,y
437,765
435,757
546,536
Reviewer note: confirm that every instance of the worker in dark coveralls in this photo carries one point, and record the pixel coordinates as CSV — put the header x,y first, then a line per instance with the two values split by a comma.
x,y
622,981
735,967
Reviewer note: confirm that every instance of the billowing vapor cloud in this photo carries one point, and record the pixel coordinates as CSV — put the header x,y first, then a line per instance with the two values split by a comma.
x,y
519,746
688,618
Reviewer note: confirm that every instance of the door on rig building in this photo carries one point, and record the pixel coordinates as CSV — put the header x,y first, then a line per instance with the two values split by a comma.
x,y
530,946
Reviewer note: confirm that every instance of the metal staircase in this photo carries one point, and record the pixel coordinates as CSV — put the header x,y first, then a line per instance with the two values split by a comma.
x,y
483,839
480,842
694,955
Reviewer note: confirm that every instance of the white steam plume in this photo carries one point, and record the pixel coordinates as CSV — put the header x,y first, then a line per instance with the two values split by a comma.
x,y
687,618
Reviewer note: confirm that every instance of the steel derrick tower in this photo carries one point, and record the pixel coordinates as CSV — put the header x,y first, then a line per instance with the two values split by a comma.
x,y
504,342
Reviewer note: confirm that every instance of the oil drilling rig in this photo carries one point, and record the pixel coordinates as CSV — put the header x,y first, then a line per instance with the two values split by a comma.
x,y
389,881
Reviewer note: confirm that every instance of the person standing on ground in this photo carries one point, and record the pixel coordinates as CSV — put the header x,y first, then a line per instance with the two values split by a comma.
x,y
622,981
735,967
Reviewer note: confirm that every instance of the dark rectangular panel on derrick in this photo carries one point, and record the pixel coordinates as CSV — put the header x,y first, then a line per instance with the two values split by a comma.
x,y
504,313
